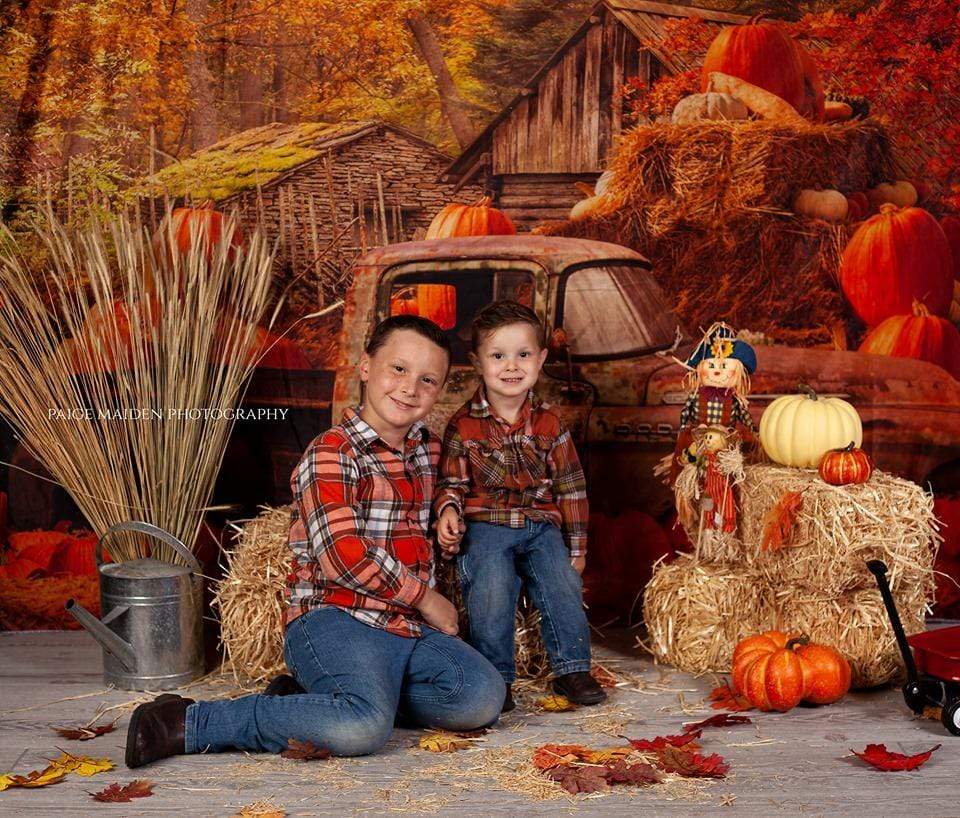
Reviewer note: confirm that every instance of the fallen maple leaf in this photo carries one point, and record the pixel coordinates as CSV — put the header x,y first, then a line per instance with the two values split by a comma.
x,y
606,755
86,732
114,793
719,720
685,740
36,778
579,779
691,764
440,741
81,765
724,698
555,704
603,677
779,521
551,755
878,756
304,751
638,775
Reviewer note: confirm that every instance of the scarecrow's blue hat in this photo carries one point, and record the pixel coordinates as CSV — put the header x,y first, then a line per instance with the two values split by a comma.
x,y
720,341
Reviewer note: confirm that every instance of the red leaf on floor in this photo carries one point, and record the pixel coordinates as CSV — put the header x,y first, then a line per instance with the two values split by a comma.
x,y
603,677
719,720
637,775
877,755
663,742
579,779
304,751
552,755
724,698
692,764
115,793
86,732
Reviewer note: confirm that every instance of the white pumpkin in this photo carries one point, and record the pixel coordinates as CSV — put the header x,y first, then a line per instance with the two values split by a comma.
x,y
829,205
797,430
902,194
586,207
713,105
603,182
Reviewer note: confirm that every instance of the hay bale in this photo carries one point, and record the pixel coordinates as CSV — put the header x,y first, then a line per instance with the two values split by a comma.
x,y
696,612
838,529
709,205
856,624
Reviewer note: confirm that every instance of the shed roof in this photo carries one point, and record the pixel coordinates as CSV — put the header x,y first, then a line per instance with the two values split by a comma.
x,y
261,156
645,20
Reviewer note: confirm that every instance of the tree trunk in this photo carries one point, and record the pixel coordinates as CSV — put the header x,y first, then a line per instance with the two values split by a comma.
x,y
251,86
203,115
21,140
453,105
279,84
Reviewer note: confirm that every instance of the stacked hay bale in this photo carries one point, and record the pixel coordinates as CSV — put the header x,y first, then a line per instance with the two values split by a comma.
x,y
698,608
250,598
709,203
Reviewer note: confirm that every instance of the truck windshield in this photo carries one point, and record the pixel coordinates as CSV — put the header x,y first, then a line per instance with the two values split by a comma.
x,y
451,298
614,310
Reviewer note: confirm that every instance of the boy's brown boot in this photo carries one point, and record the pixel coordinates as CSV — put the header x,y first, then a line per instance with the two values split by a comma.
x,y
157,730
508,702
579,687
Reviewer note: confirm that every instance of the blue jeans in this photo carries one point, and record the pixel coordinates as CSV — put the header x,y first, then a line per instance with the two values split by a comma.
x,y
359,679
493,559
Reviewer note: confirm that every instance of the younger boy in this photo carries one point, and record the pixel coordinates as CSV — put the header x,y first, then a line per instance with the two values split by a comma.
x,y
510,470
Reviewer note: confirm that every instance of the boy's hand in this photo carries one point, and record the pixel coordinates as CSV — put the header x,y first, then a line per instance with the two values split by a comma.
x,y
450,530
578,563
438,612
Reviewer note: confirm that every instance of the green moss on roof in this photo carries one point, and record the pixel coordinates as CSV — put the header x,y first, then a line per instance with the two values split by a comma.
x,y
240,162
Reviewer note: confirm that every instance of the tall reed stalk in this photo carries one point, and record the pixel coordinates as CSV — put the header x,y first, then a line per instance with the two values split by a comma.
x,y
89,334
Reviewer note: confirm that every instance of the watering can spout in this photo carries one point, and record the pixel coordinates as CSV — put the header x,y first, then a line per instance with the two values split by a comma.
x,y
108,640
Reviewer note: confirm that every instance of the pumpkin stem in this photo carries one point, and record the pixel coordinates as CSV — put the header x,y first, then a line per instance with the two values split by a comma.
x,y
484,201
888,207
807,390
797,641
920,309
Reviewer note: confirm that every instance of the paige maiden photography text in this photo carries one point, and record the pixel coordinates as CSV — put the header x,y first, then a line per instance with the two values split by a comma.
x,y
166,413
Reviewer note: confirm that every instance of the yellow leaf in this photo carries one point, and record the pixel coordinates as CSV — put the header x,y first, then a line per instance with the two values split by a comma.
x,y
6,781
439,741
81,765
555,704
607,754
37,778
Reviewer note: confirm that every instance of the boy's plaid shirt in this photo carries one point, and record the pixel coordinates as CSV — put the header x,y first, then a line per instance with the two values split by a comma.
x,y
495,472
359,526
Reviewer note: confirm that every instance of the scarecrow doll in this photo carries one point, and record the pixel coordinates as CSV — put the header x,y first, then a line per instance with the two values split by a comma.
x,y
719,381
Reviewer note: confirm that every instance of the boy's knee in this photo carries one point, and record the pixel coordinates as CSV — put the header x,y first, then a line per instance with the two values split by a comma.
x,y
481,700
358,737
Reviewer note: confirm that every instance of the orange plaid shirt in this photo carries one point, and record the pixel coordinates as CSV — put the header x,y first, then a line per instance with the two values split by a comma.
x,y
496,472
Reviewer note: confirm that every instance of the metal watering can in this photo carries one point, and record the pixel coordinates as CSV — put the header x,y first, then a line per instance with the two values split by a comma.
x,y
151,631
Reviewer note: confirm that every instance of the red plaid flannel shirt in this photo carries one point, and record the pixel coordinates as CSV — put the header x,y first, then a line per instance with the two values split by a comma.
x,y
359,526
496,472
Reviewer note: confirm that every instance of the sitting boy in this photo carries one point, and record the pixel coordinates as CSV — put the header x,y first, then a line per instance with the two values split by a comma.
x,y
510,470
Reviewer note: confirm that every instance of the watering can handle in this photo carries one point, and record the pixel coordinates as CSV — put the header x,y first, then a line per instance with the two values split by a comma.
x,y
154,531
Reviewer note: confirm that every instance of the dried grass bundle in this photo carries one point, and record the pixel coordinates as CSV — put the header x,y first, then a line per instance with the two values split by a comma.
x,y
709,206
856,624
250,596
696,612
87,334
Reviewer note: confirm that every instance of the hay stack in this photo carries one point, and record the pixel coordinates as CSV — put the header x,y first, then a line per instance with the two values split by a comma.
x,y
250,599
709,205
697,608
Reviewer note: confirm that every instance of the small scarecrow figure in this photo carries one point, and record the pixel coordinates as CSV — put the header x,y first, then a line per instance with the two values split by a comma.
x,y
719,381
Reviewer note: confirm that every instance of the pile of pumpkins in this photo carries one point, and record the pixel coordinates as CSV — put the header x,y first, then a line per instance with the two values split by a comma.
x,y
38,554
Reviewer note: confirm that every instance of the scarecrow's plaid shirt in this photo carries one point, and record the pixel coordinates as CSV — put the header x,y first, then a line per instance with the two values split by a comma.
x,y
495,472
359,526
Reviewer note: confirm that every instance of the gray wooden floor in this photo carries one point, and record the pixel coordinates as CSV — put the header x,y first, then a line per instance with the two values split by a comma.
x,y
791,764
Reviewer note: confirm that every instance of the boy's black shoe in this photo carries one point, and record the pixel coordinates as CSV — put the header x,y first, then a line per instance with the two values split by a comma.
x,y
283,685
579,687
508,702
157,730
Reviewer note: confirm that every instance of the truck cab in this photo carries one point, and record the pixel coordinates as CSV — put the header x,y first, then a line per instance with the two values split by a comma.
x,y
613,366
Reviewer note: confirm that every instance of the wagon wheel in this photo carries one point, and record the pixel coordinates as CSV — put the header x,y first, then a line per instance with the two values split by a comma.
x,y
950,716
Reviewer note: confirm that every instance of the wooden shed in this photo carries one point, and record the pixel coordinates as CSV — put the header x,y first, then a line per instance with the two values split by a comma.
x,y
560,128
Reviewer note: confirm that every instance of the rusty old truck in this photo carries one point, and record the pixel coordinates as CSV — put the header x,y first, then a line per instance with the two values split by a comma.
x,y
615,377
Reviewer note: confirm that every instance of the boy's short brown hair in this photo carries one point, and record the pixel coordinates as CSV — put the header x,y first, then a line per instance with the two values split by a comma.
x,y
501,314
421,326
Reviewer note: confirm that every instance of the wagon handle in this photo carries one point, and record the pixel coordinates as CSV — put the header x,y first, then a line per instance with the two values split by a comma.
x,y
154,531
879,569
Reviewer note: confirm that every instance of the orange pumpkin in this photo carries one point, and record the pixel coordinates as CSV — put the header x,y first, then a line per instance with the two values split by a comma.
x,y
862,202
951,229
893,259
76,556
777,672
438,302
470,220
763,54
922,336
20,540
21,568
846,466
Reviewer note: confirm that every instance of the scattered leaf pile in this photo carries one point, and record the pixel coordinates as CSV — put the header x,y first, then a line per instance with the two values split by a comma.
x,y
724,698
56,770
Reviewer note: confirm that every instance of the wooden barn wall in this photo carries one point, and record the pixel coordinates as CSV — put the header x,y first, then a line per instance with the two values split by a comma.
x,y
569,123
530,199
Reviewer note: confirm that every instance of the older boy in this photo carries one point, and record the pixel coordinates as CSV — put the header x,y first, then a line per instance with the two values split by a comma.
x,y
367,637
510,470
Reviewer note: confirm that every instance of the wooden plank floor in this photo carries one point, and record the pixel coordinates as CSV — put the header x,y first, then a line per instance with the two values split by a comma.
x,y
801,764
